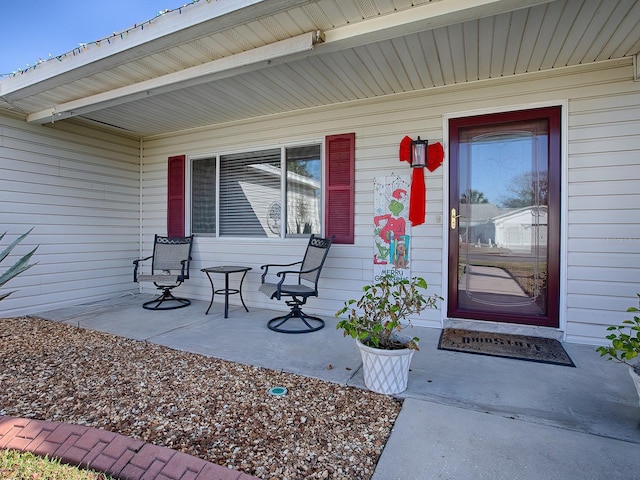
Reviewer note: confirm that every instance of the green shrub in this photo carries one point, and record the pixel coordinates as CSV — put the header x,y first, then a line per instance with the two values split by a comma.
x,y
625,342
378,316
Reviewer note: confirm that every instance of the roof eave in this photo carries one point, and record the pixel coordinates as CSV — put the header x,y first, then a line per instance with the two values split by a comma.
x,y
168,30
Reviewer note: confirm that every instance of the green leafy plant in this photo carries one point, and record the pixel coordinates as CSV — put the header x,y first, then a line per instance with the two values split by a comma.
x,y
382,312
20,266
625,342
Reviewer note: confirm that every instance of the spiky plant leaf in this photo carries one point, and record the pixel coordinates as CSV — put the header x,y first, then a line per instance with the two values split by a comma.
x,y
20,266
8,249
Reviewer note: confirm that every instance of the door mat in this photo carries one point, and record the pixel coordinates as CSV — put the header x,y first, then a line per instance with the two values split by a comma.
x,y
520,347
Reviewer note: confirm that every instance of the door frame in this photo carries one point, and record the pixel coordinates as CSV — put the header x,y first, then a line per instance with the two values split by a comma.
x,y
564,168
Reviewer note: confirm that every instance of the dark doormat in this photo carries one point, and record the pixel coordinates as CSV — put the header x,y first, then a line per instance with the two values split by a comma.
x,y
521,347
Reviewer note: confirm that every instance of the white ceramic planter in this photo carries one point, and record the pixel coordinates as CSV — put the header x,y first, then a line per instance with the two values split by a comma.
x,y
636,380
385,371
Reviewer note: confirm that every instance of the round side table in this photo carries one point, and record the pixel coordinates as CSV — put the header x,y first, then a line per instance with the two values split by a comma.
x,y
226,270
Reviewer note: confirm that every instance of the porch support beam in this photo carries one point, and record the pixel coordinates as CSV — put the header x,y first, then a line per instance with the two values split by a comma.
x,y
243,62
413,20
417,19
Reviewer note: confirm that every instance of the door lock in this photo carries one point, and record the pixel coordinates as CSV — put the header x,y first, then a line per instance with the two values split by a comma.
x,y
454,218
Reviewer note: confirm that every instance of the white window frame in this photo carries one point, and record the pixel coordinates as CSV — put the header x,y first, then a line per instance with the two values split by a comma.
x,y
283,190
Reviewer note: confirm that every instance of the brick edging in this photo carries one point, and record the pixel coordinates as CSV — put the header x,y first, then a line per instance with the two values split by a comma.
x,y
123,457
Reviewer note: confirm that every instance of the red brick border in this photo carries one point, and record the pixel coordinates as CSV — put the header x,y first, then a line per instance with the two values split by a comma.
x,y
123,457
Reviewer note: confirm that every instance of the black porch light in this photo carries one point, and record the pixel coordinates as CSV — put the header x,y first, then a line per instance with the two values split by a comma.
x,y
419,153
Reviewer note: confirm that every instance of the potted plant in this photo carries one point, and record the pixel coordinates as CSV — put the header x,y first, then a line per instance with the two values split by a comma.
x,y
625,345
376,321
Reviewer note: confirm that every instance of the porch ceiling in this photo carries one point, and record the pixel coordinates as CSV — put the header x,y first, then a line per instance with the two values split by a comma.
x,y
215,62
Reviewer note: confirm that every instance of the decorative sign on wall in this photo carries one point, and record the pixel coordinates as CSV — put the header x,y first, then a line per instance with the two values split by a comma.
x,y
392,230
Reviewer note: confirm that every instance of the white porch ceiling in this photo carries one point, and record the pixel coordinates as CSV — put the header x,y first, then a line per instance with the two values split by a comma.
x,y
372,48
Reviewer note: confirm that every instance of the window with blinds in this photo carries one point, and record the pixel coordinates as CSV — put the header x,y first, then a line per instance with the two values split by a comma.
x,y
249,182
241,194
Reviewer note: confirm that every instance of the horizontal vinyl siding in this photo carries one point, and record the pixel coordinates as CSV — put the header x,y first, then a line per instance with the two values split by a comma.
x,y
604,210
602,200
348,267
79,189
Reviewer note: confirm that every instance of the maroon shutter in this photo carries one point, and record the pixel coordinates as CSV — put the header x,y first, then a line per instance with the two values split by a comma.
x,y
175,196
340,191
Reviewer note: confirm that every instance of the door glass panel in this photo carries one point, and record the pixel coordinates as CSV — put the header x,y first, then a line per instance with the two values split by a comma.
x,y
502,225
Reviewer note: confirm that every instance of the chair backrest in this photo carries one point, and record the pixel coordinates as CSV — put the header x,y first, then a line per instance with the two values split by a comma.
x,y
168,253
314,258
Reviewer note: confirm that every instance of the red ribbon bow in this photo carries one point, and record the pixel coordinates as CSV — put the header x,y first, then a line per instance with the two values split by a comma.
x,y
418,201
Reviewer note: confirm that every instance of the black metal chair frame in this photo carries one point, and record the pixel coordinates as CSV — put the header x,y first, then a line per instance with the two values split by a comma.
x,y
309,273
169,268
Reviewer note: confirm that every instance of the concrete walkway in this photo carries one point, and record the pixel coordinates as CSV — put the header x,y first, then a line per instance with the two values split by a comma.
x,y
464,416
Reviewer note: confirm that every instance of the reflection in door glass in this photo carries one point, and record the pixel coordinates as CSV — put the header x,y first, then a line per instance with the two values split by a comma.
x,y
502,228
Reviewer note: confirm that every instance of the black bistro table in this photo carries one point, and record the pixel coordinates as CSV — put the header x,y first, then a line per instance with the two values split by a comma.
x,y
226,270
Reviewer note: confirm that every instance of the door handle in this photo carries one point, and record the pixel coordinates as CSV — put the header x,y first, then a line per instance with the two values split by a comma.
x,y
454,218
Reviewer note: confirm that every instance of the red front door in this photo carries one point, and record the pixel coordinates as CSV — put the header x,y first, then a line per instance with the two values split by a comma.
x,y
504,217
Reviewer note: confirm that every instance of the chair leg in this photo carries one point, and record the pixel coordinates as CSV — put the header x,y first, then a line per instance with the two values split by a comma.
x,y
310,323
167,296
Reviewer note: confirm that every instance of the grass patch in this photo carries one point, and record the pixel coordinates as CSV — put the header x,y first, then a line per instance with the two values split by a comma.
x,y
16,465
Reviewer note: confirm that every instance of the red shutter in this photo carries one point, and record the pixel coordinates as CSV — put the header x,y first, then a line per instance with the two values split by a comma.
x,y
340,191
175,196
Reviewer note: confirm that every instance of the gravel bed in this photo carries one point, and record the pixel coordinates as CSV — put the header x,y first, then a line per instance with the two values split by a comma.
x,y
213,409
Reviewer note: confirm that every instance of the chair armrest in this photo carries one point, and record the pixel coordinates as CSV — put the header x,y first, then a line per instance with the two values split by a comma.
x,y
283,275
310,270
135,270
266,268
142,259
185,265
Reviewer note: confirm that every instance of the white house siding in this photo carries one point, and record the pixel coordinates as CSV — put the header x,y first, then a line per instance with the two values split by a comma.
x,y
79,188
604,207
602,201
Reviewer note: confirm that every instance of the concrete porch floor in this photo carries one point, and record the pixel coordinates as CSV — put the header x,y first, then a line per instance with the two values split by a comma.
x,y
464,416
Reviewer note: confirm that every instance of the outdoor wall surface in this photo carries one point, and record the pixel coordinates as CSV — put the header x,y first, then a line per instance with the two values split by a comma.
x,y
79,190
601,197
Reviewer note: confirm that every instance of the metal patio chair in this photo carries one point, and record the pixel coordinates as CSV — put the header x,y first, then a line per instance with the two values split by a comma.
x,y
169,268
306,285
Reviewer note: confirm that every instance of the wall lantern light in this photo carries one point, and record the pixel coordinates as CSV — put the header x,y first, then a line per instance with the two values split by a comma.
x,y
419,153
